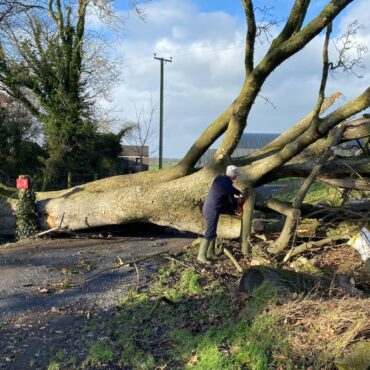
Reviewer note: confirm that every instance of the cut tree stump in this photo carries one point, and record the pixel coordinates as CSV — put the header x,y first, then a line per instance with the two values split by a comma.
x,y
282,279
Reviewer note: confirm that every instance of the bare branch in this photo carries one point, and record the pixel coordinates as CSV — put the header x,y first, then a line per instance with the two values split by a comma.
x,y
265,24
345,45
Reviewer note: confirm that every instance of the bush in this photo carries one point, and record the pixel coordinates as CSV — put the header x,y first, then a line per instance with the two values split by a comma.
x,y
26,216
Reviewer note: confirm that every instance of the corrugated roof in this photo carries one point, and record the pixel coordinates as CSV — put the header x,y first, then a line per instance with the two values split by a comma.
x,y
256,141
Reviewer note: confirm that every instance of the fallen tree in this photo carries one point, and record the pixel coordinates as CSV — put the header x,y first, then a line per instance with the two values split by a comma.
x,y
174,196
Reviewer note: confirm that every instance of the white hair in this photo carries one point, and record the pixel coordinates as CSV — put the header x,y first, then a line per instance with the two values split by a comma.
x,y
232,171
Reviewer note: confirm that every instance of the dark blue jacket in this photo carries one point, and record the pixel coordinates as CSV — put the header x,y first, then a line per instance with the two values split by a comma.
x,y
221,196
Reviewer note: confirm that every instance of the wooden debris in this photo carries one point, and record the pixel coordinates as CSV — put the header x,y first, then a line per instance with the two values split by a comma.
x,y
313,245
233,260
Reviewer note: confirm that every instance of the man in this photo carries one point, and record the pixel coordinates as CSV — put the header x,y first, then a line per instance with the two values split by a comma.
x,y
220,199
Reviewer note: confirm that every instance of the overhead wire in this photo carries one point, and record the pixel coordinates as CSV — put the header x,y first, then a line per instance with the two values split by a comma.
x,y
207,51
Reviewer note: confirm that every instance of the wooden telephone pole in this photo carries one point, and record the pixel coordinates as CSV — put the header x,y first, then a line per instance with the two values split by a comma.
x,y
162,60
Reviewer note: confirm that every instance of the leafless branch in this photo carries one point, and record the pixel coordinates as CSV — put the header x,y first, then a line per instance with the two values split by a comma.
x,y
143,130
265,23
267,101
350,52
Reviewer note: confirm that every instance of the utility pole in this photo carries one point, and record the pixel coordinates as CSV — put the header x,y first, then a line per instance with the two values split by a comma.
x,y
162,60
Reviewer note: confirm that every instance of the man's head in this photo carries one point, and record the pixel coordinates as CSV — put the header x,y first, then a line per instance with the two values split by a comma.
x,y
232,171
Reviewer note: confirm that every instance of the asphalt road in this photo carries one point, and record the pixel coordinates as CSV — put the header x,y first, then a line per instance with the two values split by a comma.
x,y
50,289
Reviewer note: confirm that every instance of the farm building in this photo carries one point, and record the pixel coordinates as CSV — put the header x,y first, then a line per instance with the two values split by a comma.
x,y
134,158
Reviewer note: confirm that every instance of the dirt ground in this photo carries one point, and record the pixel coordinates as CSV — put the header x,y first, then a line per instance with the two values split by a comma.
x,y
51,290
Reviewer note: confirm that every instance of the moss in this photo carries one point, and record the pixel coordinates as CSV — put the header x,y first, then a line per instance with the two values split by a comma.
x,y
357,357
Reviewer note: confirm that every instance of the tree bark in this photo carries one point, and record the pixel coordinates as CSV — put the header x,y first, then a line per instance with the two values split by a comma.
x,y
247,218
347,183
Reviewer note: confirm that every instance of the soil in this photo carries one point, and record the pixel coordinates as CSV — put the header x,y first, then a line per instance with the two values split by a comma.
x,y
51,290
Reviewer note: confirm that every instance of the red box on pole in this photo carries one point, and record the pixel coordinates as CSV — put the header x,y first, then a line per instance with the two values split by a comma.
x,y
23,183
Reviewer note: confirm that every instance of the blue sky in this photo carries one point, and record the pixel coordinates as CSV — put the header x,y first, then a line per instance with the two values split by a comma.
x,y
206,41
232,7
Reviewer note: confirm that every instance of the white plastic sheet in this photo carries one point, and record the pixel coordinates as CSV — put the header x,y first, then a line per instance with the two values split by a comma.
x,y
361,242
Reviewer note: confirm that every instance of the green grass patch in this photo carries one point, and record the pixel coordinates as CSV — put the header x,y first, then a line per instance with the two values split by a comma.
x,y
197,326
317,192
54,366
101,351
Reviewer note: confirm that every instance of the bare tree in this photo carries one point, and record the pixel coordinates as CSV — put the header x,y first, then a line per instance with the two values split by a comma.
x,y
143,131
10,8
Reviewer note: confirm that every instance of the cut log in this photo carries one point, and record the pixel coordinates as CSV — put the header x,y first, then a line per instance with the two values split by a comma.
x,y
283,208
281,279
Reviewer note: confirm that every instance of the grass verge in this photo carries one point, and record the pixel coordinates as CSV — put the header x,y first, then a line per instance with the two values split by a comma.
x,y
188,319
192,318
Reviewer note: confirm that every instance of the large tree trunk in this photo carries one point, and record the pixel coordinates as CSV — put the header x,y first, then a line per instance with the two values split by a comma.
x,y
174,197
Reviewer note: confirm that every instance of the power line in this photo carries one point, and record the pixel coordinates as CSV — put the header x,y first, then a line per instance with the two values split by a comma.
x,y
178,55
188,49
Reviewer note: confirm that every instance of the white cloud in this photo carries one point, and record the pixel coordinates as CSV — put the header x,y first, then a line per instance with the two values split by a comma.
x,y
207,72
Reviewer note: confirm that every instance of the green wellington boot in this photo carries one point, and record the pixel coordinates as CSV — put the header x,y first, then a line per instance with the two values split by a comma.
x,y
211,251
202,254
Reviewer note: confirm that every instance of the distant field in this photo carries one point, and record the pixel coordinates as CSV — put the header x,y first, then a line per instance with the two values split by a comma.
x,y
166,163
318,191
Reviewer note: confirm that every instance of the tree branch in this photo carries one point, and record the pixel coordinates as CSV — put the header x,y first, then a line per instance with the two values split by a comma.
x,y
313,245
284,238
251,36
240,108
346,183
286,137
335,168
294,22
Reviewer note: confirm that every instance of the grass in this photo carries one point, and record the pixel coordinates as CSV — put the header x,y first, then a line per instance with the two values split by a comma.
x,y
54,365
166,163
191,318
187,320
101,352
318,192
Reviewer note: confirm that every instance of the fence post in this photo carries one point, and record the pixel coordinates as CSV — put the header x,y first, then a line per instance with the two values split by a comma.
x,y
69,180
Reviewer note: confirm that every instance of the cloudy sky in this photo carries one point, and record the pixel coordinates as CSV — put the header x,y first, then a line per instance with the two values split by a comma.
x,y
205,40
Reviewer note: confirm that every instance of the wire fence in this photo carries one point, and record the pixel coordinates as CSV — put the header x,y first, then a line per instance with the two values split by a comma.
x,y
59,182
40,183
